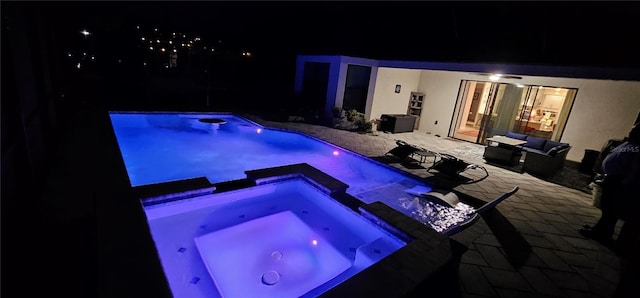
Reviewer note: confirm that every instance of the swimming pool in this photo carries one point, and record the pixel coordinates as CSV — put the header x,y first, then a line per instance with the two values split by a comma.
x,y
282,239
161,147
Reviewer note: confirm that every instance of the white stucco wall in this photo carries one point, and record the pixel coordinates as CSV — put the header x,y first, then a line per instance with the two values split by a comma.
x,y
385,100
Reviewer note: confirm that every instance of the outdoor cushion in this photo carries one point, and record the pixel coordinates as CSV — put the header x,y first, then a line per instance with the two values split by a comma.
x,y
553,151
550,144
518,136
535,143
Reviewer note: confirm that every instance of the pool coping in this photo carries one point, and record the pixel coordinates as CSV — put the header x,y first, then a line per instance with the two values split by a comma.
x,y
428,258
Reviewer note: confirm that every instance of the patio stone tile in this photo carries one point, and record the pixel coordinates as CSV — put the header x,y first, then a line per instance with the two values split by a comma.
x,y
551,259
532,216
552,217
568,280
544,227
582,243
604,286
541,207
487,239
559,242
575,259
474,281
523,227
538,241
494,257
473,257
540,282
580,294
523,206
515,214
506,279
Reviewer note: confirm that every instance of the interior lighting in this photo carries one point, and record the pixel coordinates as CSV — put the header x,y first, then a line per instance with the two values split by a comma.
x,y
495,77
519,85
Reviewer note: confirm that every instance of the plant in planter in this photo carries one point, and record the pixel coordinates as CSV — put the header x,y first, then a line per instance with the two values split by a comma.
x,y
352,115
363,126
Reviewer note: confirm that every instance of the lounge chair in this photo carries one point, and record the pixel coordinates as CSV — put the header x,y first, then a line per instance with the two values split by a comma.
x,y
477,212
452,166
408,152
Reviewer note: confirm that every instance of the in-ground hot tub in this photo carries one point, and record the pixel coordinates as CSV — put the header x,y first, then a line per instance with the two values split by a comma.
x,y
280,239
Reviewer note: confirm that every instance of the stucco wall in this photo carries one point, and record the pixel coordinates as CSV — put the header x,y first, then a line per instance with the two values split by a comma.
x,y
385,100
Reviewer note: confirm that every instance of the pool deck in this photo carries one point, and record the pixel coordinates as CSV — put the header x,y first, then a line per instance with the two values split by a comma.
x,y
528,248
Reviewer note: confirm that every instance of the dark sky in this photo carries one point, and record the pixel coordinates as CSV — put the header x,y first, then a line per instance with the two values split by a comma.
x,y
561,33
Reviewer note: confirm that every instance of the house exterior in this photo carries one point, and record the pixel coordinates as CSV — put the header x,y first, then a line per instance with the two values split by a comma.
x,y
585,107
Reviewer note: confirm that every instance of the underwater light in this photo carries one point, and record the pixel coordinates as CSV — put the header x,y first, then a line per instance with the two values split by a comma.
x,y
259,130
336,153
314,242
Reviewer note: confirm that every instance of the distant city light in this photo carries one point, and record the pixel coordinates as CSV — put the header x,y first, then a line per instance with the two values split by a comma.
x,y
174,34
151,48
155,29
84,53
213,50
119,60
138,27
162,49
78,65
93,57
157,40
188,45
69,54
85,32
182,45
170,42
184,36
166,66
142,39
144,63
174,50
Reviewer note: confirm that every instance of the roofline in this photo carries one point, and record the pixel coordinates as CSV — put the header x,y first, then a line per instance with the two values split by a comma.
x,y
582,72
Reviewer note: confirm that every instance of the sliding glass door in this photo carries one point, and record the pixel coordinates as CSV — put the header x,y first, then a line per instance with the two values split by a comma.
x,y
485,109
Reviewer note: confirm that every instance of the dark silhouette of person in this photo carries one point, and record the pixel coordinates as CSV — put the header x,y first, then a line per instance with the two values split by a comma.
x,y
622,171
620,200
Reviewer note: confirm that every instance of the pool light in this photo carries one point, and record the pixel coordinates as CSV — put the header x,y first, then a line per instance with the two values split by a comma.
x,y
259,130
336,153
314,242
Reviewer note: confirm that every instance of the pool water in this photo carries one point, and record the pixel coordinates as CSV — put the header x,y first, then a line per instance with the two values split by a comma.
x,y
166,147
283,239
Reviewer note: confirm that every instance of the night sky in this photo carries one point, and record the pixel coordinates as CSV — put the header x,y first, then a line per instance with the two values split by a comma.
x,y
559,33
